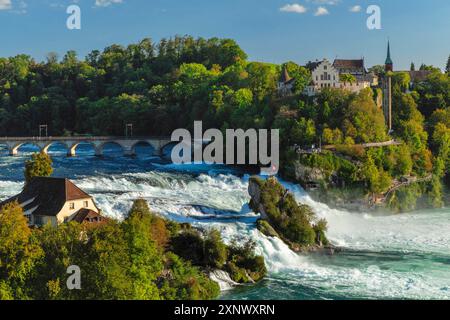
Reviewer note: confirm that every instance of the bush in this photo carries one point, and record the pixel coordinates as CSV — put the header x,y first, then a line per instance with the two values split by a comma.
x,y
215,250
186,282
189,245
243,264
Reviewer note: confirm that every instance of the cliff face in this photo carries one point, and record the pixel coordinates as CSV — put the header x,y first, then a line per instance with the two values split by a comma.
x,y
254,189
307,174
325,187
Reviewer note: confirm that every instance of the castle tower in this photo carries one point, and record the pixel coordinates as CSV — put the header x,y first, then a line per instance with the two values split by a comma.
x,y
286,83
387,89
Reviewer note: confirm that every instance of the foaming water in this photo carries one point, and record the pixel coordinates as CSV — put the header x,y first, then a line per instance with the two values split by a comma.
x,y
385,256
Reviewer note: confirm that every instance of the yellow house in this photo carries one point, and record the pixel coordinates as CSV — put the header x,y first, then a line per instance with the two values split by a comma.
x,y
55,201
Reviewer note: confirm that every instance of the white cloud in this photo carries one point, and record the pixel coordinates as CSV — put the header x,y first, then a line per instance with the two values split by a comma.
x,y
105,3
5,4
325,2
295,7
355,9
321,11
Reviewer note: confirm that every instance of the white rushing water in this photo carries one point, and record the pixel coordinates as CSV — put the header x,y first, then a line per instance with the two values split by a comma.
x,y
221,202
386,256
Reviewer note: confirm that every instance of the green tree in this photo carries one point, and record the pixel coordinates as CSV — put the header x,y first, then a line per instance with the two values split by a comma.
x,y
378,70
347,78
378,180
401,81
404,163
364,121
106,265
40,165
215,250
62,247
261,79
447,68
301,75
146,262
243,98
18,251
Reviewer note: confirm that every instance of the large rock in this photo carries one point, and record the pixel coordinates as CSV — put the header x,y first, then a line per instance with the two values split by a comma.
x,y
254,190
308,174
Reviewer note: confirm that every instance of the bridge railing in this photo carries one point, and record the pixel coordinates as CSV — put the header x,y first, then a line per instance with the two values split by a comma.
x,y
83,138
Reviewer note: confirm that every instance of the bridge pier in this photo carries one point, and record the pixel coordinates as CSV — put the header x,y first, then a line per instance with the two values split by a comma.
x,y
158,152
129,151
98,152
71,148
12,152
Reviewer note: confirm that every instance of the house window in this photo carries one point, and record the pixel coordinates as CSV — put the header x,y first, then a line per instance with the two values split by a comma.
x,y
86,204
324,67
71,205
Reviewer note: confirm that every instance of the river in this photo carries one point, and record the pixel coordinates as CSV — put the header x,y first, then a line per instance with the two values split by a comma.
x,y
404,256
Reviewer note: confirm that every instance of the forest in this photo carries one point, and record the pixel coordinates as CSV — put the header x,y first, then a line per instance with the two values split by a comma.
x,y
159,87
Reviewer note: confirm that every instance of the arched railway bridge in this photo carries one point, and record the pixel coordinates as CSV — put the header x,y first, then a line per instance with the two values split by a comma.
x,y
128,144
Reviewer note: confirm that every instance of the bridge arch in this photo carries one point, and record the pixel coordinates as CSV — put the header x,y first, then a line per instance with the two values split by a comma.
x,y
14,148
143,143
168,144
100,147
4,147
47,147
72,147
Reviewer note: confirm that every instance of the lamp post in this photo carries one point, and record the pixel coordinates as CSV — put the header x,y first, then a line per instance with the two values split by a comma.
x,y
129,130
43,127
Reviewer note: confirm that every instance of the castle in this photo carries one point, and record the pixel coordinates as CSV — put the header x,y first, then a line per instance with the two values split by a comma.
x,y
349,75
343,74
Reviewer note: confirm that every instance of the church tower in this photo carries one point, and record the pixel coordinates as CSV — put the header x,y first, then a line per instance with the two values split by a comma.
x,y
387,89
389,65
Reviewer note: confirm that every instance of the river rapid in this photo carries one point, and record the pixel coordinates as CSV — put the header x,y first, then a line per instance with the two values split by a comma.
x,y
404,256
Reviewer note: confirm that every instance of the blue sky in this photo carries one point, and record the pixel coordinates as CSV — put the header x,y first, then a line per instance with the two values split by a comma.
x,y
268,30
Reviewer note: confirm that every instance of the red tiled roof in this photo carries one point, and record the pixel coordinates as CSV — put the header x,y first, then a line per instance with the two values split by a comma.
x,y
349,64
419,75
48,194
89,216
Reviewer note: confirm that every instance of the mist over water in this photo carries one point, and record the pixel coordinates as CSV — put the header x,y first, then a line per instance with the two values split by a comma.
x,y
385,256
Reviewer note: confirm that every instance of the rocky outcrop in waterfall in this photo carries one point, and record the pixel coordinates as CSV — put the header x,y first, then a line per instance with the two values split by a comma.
x,y
282,217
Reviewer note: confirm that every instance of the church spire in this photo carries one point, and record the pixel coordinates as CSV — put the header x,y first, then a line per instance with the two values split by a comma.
x,y
389,65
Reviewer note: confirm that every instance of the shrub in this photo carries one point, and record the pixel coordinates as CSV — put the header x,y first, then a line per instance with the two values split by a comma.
x,y
243,264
